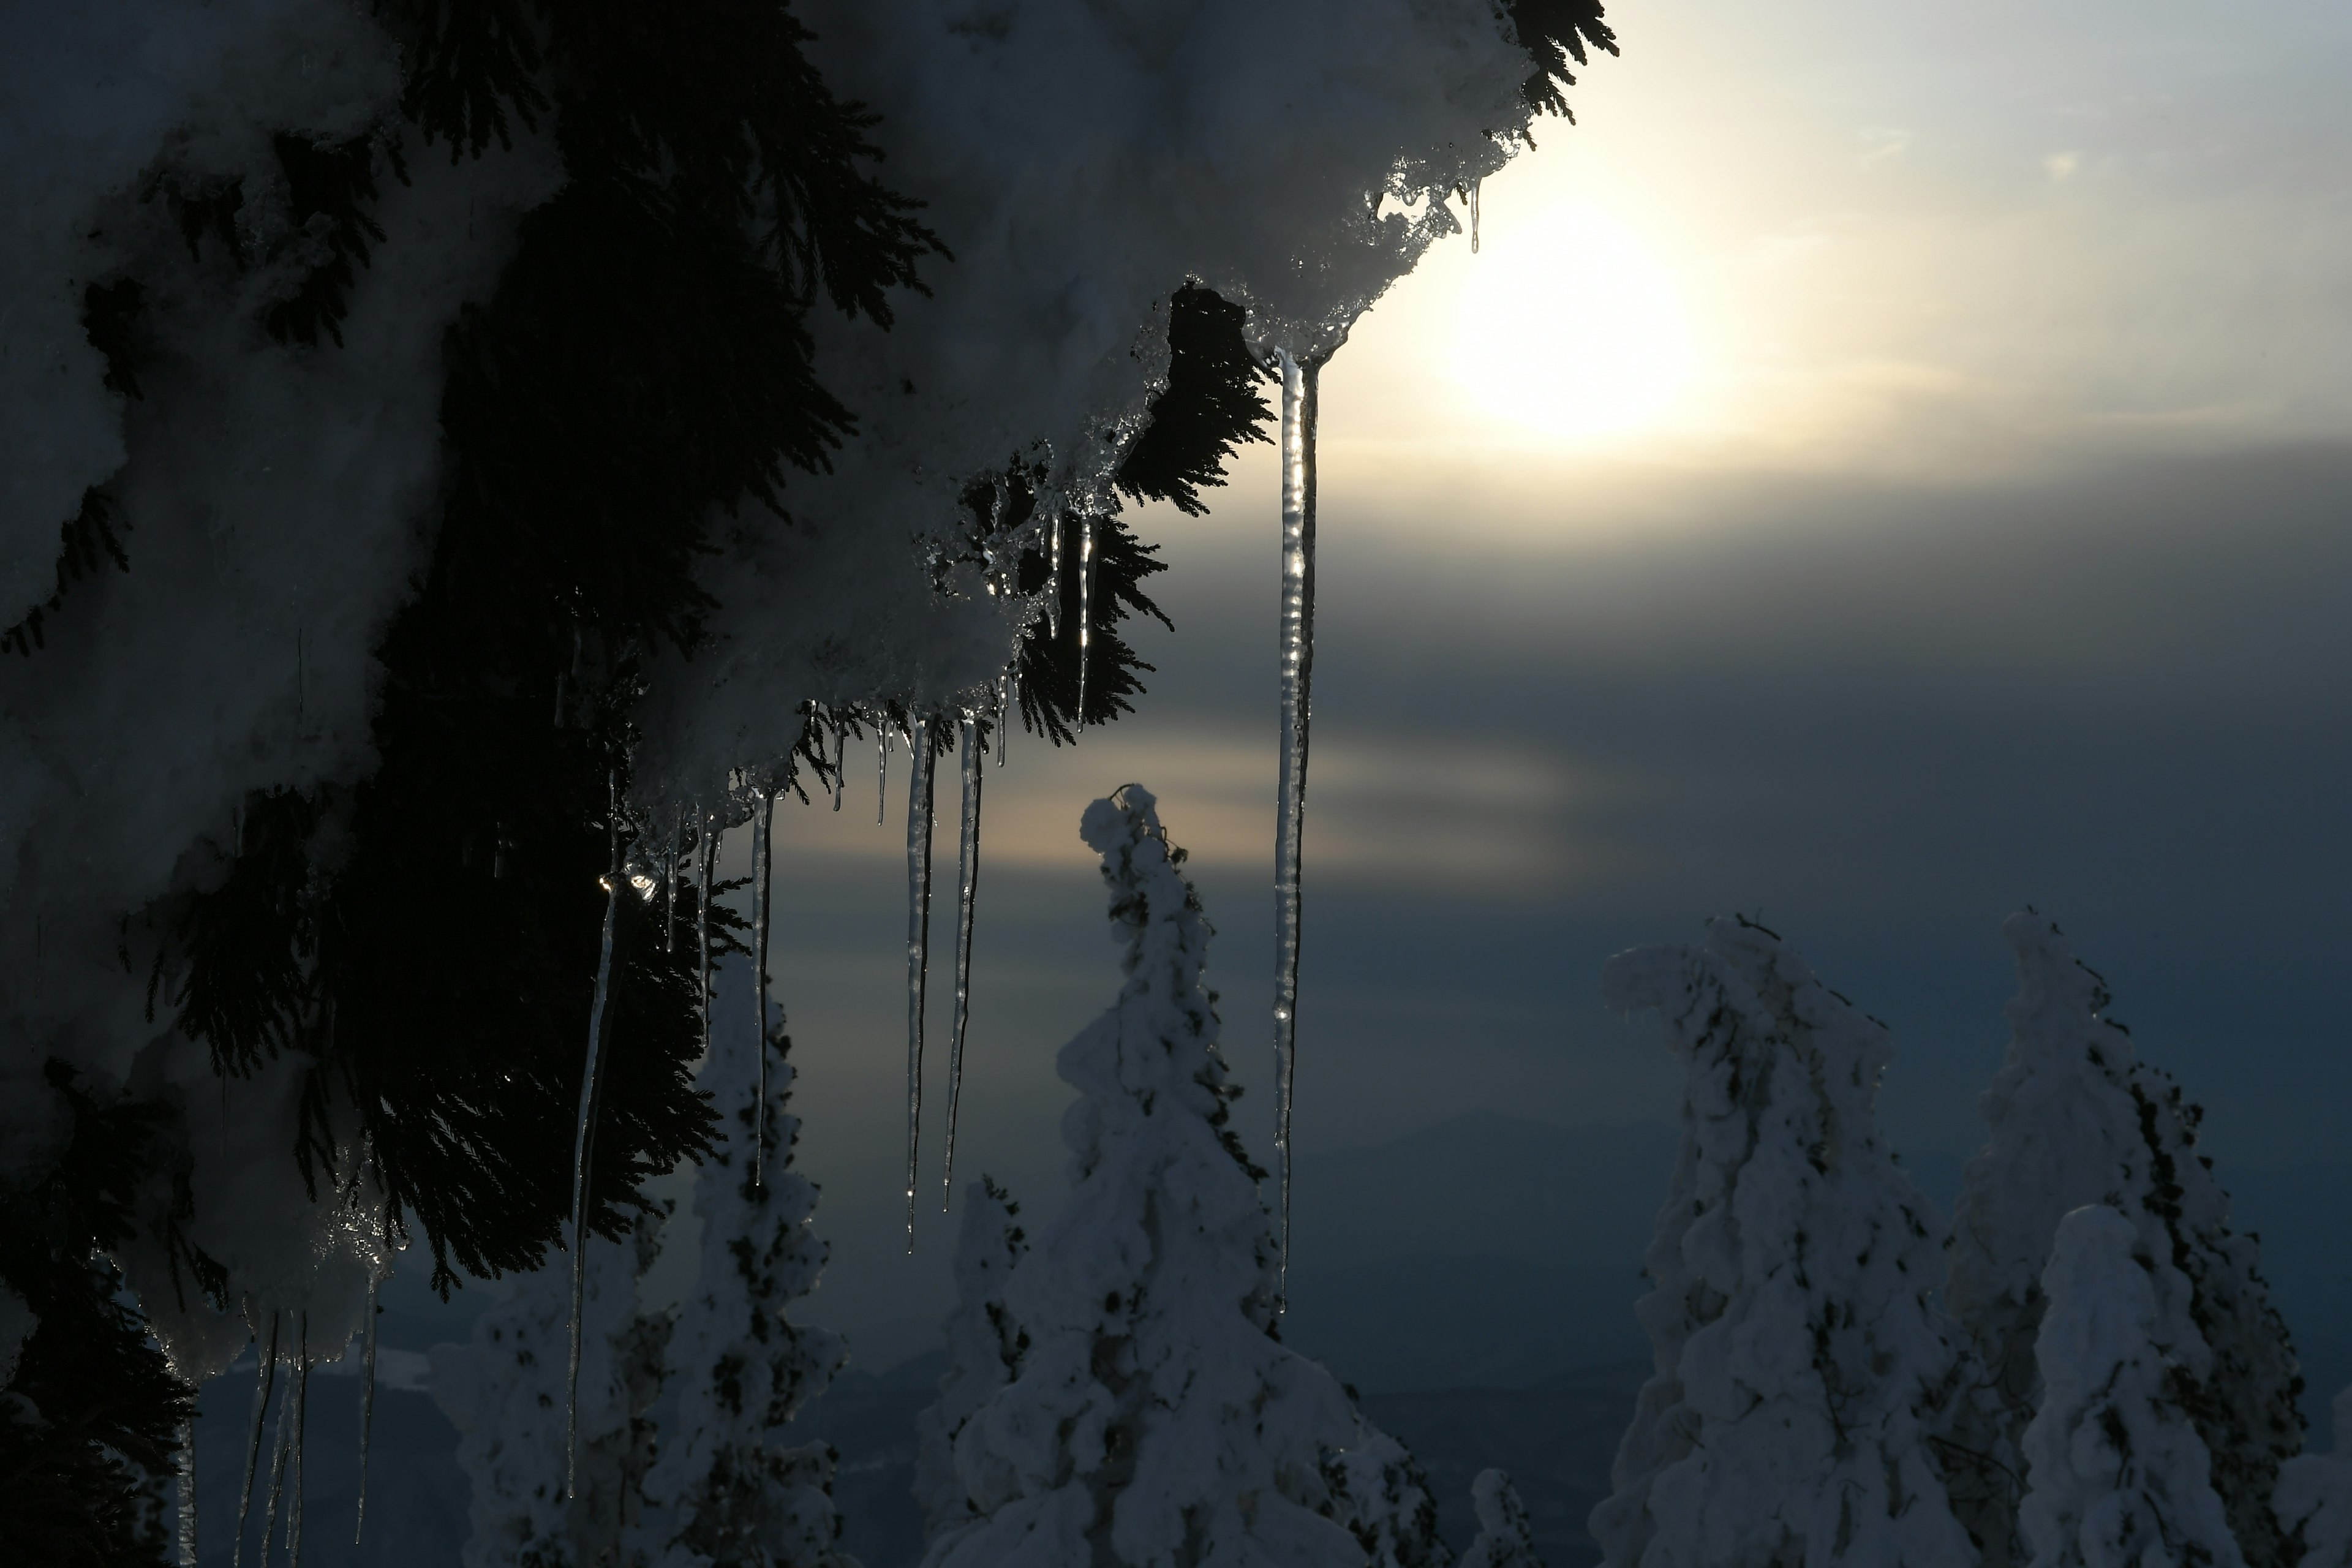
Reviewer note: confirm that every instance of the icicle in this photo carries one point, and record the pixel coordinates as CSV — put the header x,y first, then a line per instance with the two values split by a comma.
x,y
278,1450
709,848
918,941
367,1401
1474,217
763,833
1005,718
265,1373
967,886
881,770
1299,400
298,1394
591,1075
1053,581
1086,606
840,755
187,1490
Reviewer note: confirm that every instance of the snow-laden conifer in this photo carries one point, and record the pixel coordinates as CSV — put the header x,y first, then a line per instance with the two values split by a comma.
x,y
1155,1418
734,1497
2075,1118
2313,1500
504,1390
1504,1538
1802,1378
984,1348
2115,1474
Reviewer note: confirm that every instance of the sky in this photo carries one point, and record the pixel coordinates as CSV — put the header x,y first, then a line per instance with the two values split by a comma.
x,y
1885,466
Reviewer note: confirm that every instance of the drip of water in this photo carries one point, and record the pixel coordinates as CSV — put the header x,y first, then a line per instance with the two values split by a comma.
x,y
265,1373
298,1394
1086,606
592,1077
367,1401
763,833
966,887
187,1490
1474,217
918,941
1297,639
709,848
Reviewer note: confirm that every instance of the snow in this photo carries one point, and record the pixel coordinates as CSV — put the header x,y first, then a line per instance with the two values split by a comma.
x,y
984,1348
1504,1538
2315,1496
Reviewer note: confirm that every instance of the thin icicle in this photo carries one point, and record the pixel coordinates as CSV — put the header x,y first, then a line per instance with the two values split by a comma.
x,y
1004,716
1086,606
265,1373
709,848
881,770
1474,217
1053,581
918,941
840,756
592,1079
763,833
278,1450
967,887
187,1490
298,1394
1298,399
367,1402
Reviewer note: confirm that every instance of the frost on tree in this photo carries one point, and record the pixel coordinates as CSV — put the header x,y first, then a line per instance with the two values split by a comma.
x,y
2075,1118
2313,1500
1802,1377
1505,1539
659,435
984,1348
2115,1474
732,1495
504,1392
1154,1418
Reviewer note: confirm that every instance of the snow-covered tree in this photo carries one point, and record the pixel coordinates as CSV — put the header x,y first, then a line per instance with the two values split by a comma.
x,y
1505,1539
984,1349
505,1392
2314,1499
1155,1419
732,1496
1802,1377
2115,1474
2074,1119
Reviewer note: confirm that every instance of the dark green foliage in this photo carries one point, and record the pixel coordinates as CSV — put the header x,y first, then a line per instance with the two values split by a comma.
x,y
109,320
329,189
210,209
247,944
1554,33
92,1413
1210,407
463,63
1049,664
89,539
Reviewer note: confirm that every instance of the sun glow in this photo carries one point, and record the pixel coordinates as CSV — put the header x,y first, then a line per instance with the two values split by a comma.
x,y
1570,327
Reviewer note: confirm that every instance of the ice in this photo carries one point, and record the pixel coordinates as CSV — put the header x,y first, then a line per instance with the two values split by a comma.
x,y
709,848
1006,692
584,1134
1474,217
297,1395
187,1493
1298,641
840,755
367,1393
918,941
265,1373
763,831
1054,579
278,1449
1086,606
966,887
881,771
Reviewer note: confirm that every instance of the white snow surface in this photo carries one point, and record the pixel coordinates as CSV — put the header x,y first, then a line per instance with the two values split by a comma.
x,y
1154,1418
2315,1495
2115,1474
984,1349
1082,158
1801,1372
1504,1538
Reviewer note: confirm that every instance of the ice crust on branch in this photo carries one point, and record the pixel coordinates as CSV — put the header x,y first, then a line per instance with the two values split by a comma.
x,y
2115,1473
2075,1118
1153,1418
1802,1377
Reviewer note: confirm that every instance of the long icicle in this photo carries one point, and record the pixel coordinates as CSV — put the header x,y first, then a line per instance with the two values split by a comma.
x,y
367,1401
299,1392
265,1373
881,770
1054,579
840,756
1299,400
966,887
187,1490
1085,607
278,1449
763,833
918,941
1005,715
709,848
592,1079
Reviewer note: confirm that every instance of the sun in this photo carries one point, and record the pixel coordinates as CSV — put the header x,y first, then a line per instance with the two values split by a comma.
x,y
1569,326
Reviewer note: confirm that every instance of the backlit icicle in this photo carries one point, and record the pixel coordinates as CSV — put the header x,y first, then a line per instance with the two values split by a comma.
x,y
187,1493
840,756
763,831
1085,607
1005,711
265,1373
918,941
298,1393
1054,579
278,1449
967,887
1474,217
367,1388
1298,634
881,771
592,1078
